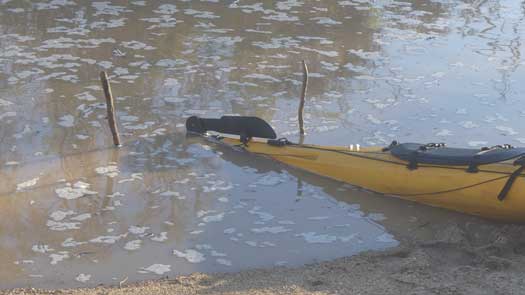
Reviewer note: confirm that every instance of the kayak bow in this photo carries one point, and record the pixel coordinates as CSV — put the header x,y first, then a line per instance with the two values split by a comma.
x,y
488,182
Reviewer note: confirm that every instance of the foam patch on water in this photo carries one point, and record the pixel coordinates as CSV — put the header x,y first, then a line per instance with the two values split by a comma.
x,y
41,248
58,257
386,238
271,179
133,245
27,184
134,177
107,239
166,9
137,230
83,278
70,242
137,45
109,171
314,238
213,218
62,226
190,255
172,194
67,121
217,185
79,189
272,230
158,269
60,215
162,237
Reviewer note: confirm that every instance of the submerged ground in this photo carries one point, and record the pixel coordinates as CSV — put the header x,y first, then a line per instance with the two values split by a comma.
x,y
77,212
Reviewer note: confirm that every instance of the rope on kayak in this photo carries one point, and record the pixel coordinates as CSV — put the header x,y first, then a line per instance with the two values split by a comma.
x,y
501,196
360,155
450,190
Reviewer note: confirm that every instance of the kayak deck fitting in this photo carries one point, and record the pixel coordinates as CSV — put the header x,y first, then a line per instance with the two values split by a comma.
x,y
488,182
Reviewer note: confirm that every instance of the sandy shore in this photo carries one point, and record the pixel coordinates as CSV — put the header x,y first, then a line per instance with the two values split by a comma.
x,y
478,258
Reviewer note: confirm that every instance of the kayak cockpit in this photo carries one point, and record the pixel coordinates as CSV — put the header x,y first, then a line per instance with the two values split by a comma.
x,y
439,154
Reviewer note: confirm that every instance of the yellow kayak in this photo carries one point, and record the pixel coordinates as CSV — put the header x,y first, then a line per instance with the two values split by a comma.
x,y
488,182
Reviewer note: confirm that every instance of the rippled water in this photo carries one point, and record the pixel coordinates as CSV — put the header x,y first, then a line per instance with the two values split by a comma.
x,y
77,212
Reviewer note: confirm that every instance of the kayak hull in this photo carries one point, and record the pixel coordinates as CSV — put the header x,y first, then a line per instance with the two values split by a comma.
x,y
450,187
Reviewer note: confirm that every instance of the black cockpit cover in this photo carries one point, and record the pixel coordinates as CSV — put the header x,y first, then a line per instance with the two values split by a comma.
x,y
453,156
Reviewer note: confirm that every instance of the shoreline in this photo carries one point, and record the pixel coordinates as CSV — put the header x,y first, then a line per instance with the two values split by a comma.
x,y
457,261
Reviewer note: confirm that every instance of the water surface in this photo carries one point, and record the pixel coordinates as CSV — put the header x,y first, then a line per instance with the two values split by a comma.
x,y
77,212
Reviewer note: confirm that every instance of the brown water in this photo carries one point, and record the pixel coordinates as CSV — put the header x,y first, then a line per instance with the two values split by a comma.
x,y
77,212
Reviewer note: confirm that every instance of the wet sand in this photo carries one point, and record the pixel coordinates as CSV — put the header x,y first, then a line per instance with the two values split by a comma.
x,y
456,261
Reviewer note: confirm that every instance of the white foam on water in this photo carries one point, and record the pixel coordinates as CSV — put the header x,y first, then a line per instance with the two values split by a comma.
x,y
70,242
200,14
67,121
319,218
83,278
230,230
109,171
166,9
163,236
133,245
85,96
158,269
27,184
137,45
326,21
386,238
137,230
105,8
217,185
507,130
57,257
62,226
134,176
270,180
41,248
272,230
81,217
170,194
314,238
468,124
79,189
213,218
173,99
190,255
60,215
264,77
107,239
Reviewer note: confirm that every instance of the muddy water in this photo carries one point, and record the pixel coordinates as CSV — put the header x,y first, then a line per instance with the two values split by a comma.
x,y
76,212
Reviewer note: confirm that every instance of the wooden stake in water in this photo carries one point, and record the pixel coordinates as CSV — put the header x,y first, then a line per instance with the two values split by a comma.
x,y
303,94
111,107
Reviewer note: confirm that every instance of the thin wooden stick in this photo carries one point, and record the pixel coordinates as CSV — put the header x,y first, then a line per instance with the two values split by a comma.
x,y
303,94
111,107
